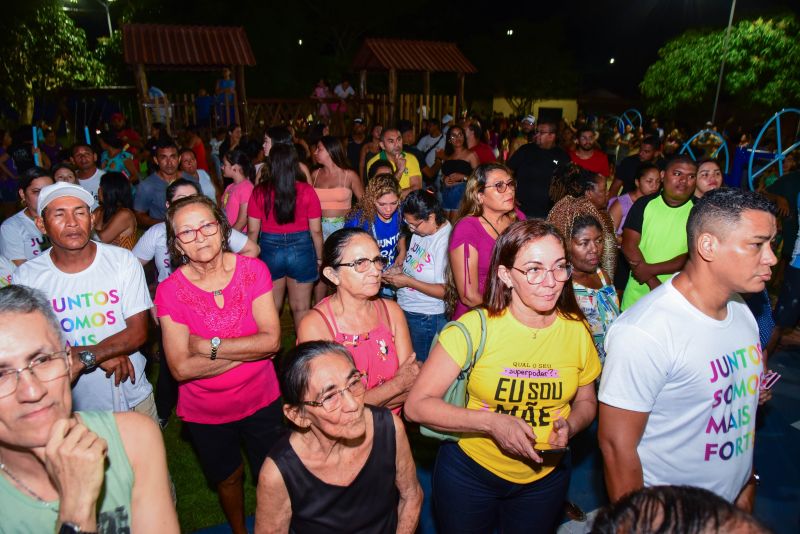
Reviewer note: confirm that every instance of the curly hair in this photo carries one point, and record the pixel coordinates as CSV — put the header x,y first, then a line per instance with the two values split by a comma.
x,y
365,210
570,208
570,179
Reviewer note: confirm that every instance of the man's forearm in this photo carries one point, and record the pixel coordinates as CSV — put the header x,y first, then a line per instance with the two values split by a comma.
x,y
122,343
144,219
670,266
623,472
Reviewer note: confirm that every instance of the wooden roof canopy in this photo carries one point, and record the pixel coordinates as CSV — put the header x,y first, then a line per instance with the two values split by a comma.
x,y
171,47
411,56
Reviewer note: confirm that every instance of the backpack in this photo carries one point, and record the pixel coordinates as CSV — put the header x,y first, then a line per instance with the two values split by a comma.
x,y
456,394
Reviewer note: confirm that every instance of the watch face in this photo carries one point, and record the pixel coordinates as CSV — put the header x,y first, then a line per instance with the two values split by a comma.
x,y
215,341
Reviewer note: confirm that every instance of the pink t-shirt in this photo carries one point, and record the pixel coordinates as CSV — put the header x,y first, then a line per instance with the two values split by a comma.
x,y
234,196
243,390
306,207
469,231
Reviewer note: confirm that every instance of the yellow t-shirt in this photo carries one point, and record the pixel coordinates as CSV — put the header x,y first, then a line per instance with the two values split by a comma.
x,y
533,378
412,167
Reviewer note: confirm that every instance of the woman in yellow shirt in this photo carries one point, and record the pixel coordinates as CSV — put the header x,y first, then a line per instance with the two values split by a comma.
x,y
532,389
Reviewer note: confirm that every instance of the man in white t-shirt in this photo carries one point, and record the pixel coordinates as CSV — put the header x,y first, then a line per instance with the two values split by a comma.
x,y
100,297
681,381
84,158
20,238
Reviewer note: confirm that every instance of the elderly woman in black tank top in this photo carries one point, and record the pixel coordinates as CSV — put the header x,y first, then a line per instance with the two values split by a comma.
x,y
342,468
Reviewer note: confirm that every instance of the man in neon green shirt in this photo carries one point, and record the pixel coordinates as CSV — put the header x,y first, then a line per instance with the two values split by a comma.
x,y
406,167
654,236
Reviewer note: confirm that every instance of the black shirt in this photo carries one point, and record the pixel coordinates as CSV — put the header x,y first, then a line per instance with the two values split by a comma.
x,y
533,168
354,152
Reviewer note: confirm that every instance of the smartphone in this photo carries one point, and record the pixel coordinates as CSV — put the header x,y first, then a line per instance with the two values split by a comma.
x,y
769,380
544,449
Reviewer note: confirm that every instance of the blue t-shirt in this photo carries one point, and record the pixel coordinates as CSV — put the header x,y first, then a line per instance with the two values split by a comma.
x,y
387,234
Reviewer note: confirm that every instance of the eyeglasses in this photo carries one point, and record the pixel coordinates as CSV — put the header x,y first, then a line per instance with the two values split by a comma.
x,y
208,229
537,275
332,400
45,367
502,187
413,226
361,265
456,136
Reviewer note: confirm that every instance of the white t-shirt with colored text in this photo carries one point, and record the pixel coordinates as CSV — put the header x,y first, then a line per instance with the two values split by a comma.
x,y
90,306
426,261
698,378
20,239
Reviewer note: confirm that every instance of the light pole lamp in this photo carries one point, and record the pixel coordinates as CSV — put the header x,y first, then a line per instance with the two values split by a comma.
x,y
724,56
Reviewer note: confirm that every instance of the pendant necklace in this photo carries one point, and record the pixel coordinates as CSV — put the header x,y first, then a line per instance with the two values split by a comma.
x,y
27,490
217,292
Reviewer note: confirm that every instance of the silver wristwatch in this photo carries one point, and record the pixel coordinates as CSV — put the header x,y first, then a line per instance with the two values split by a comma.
x,y
215,343
88,359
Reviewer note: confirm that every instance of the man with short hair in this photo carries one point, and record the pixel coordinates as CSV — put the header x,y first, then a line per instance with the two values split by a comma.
x,y
682,375
354,142
587,156
533,165
101,300
628,168
63,471
430,143
84,158
151,193
406,167
653,241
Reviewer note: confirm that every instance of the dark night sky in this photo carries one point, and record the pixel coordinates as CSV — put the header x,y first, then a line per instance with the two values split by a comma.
x,y
631,31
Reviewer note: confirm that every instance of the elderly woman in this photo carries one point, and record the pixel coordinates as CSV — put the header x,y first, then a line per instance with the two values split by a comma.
x,y
529,393
373,329
220,329
488,208
342,468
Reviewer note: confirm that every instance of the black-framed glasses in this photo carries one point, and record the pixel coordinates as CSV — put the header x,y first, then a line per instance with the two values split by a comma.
x,y
502,187
208,229
332,400
537,275
361,265
45,367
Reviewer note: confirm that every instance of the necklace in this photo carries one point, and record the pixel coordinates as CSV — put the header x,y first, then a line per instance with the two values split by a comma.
x,y
217,292
490,224
27,490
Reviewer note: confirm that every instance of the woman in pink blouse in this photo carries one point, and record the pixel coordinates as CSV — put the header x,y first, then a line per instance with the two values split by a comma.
x,y
236,165
220,328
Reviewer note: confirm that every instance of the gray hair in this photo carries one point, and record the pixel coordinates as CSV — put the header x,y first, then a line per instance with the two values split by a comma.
x,y
17,299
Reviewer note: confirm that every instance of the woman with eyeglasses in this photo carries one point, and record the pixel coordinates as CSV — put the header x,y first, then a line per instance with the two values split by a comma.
x,y
373,329
422,278
529,393
489,207
342,468
378,213
458,162
219,330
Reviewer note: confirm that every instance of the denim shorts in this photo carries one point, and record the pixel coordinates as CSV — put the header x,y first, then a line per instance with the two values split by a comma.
x,y
291,255
452,195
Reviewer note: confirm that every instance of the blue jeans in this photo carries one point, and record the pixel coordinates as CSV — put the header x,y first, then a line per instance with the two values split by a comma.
x,y
468,499
452,195
291,255
423,328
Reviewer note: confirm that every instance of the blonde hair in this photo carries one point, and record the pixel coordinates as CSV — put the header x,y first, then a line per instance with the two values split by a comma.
x,y
470,205
381,184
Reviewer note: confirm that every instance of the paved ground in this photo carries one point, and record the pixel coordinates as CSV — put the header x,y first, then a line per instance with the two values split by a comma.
x,y
777,458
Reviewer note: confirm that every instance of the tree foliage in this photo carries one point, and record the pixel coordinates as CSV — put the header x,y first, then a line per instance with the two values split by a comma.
x,y
760,68
42,52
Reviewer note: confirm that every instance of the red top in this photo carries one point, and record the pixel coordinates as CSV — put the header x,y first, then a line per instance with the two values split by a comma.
x,y
306,207
598,163
484,152
199,150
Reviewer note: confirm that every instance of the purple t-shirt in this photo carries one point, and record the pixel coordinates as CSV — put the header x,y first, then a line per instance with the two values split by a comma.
x,y
469,232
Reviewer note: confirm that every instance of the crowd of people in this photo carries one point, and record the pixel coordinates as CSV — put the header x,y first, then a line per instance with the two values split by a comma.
x,y
614,303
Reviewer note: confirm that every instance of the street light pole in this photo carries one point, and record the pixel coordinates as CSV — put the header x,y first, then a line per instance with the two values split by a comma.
x,y
108,16
722,65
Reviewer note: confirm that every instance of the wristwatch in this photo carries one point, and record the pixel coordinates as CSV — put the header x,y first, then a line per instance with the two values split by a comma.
x,y
88,359
72,528
215,342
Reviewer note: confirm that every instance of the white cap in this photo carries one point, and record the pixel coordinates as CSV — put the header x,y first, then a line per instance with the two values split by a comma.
x,y
446,119
530,118
63,189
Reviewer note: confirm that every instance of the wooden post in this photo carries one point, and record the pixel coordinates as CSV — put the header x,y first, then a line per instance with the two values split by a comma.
x,y
460,95
241,96
141,92
426,88
392,97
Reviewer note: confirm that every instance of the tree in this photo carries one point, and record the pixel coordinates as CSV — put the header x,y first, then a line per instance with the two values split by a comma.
x,y
760,68
45,51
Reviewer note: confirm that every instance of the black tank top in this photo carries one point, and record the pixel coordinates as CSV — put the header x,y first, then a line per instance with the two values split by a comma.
x,y
456,165
354,153
368,505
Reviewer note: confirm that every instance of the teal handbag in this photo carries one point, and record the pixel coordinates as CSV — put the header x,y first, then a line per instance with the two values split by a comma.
x,y
456,394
